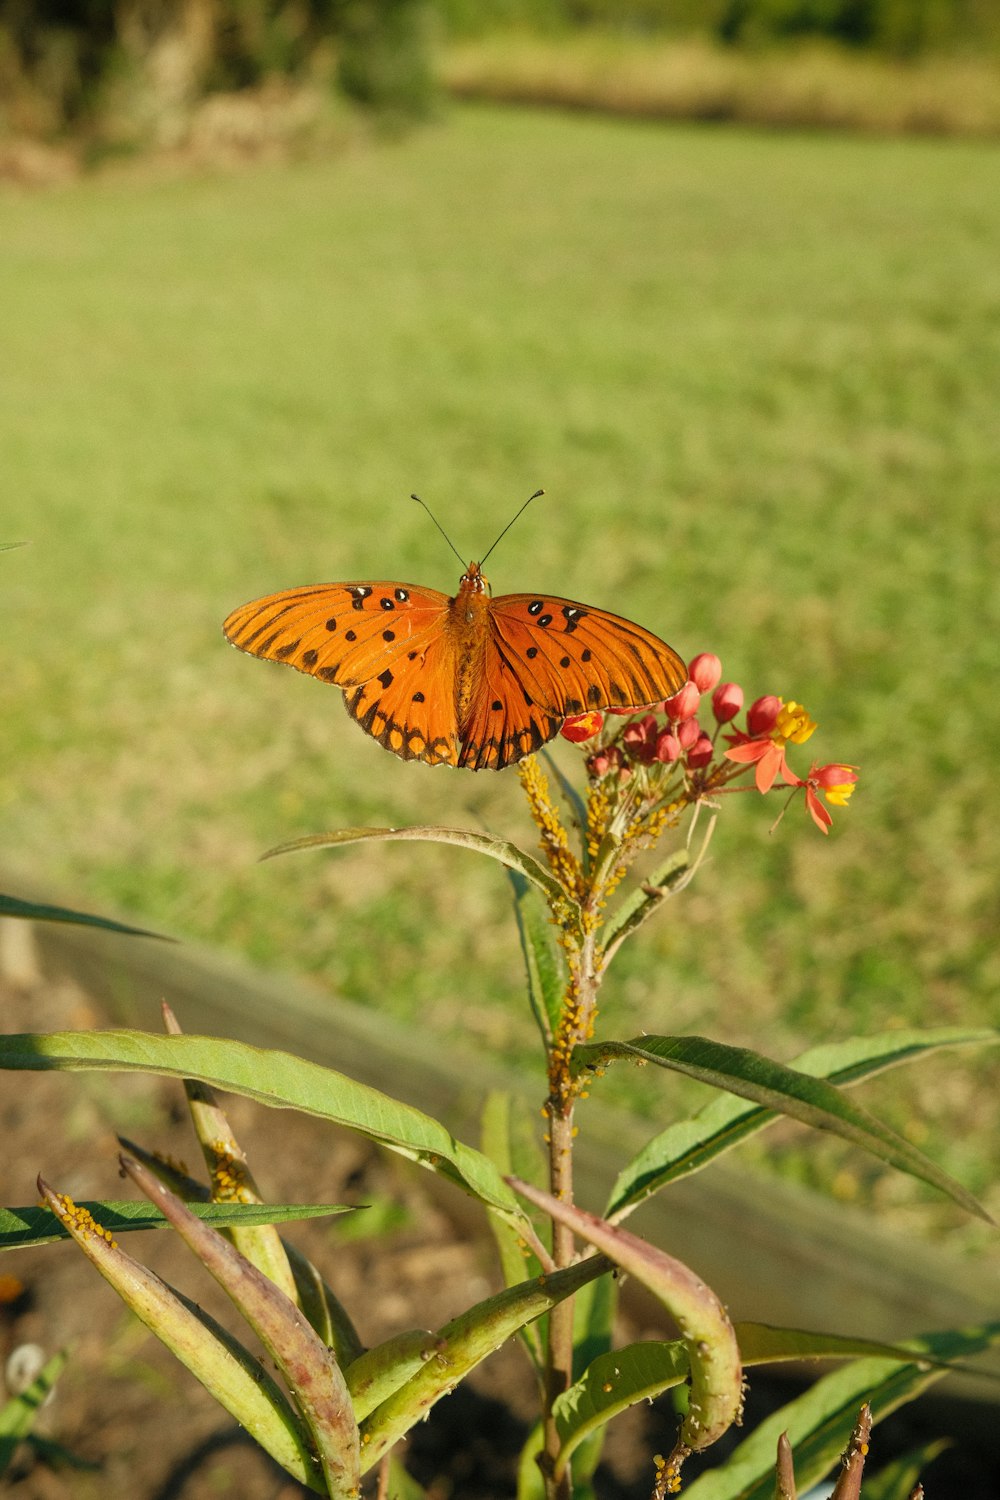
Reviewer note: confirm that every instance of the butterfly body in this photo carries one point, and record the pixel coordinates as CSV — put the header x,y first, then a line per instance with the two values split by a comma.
x,y
465,681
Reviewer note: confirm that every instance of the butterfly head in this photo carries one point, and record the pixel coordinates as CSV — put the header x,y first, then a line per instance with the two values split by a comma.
x,y
474,580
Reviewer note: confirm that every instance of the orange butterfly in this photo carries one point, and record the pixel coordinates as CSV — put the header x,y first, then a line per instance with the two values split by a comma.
x,y
470,681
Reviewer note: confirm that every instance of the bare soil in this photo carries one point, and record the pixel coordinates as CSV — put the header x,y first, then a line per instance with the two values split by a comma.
x,y
136,1425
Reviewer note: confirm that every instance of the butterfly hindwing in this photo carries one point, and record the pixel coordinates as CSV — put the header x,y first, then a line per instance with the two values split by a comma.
x,y
505,722
410,707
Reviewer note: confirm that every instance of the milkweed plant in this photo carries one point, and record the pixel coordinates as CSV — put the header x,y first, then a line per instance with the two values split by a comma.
x,y
647,785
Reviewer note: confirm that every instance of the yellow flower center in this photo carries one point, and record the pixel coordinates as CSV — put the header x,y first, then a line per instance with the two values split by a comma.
x,y
839,795
793,723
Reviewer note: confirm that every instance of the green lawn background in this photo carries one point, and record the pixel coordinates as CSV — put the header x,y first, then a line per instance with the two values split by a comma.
x,y
757,375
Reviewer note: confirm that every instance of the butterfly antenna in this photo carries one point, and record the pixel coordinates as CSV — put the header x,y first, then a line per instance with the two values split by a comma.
x,y
510,523
440,528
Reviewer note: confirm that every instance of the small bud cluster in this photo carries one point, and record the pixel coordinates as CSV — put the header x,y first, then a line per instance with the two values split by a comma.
x,y
671,746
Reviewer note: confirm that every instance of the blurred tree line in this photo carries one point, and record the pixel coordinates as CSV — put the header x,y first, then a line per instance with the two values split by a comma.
x,y
67,64
122,66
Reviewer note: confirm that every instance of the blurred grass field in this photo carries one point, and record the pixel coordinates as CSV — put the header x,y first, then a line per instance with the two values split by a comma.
x,y
757,376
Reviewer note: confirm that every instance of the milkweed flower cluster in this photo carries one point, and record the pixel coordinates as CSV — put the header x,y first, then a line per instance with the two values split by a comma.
x,y
678,734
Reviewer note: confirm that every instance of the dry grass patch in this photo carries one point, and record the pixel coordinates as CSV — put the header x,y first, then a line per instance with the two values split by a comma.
x,y
814,86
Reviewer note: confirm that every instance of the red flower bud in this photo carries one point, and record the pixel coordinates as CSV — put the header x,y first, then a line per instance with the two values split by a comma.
x,y
639,739
668,747
727,700
688,732
763,714
684,703
705,671
701,751
603,761
580,727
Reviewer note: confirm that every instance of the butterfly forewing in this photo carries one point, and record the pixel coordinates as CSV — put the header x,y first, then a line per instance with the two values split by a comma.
x,y
384,643
345,633
571,657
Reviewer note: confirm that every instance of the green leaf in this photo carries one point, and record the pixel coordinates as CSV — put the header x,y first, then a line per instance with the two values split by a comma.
x,y
543,958
763,1343
17,1417
612,1383
279,1080
463,838
226,1163
812,1101
709,1339
316,1299
530,1484
310,1370
689,1145
379,1372
21,1227
464,1343
509,1141
12,906
819,1422
236,1379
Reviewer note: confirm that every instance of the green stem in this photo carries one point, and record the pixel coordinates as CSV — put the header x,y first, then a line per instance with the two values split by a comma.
x,y
559,1353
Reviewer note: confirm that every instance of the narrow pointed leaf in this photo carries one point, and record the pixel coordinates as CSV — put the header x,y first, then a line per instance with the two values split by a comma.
x,y
611,1384
784,1471
530,1484
689,1145
277,1079
12,906
323,1308
379,1372
21,1227
235,1378
316,1299
709,1340
818,1421
463,838
763,1344
17,1416
812,1101
464,1343
313,1375
231,1177
508,1141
